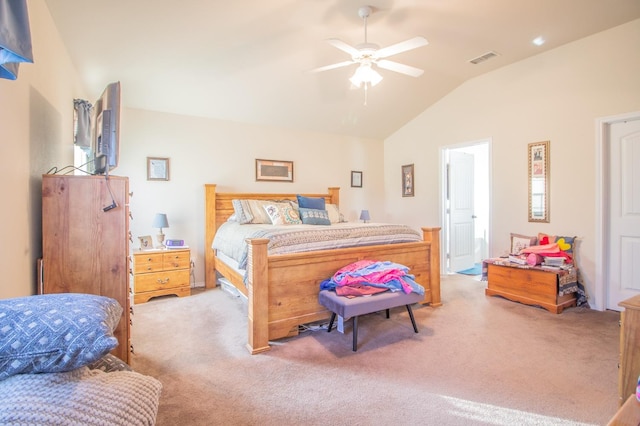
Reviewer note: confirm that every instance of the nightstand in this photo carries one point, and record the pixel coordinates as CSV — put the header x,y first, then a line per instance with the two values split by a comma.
x,y
160,273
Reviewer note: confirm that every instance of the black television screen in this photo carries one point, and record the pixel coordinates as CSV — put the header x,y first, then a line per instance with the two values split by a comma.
x,y
107,129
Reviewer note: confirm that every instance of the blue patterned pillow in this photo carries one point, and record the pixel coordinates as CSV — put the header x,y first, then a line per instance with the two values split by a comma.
x,y
314,216
52,333
310,202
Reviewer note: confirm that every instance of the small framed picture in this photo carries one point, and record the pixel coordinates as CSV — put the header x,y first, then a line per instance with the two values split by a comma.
x,y
356,179
274,170
407,181
146,243
157,168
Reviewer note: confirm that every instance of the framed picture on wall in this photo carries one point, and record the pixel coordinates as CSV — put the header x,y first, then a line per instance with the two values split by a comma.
x,y
274,170
538,153
157,168
407,181
356,179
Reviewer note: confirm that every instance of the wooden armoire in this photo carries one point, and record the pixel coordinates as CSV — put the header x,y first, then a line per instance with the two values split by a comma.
x,y
85,242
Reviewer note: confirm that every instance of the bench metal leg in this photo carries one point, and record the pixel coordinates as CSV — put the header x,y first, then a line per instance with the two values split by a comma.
x,y
333,317
413,321
355,334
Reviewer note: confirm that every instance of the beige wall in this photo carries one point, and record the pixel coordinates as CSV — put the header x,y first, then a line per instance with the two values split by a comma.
x,y
36,116
555,96
221,152
36,131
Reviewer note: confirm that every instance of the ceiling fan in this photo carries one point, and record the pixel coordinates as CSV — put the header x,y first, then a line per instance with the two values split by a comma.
x,y
369,54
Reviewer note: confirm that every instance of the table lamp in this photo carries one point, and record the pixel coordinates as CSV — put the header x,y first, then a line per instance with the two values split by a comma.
x,y
160,221
364,216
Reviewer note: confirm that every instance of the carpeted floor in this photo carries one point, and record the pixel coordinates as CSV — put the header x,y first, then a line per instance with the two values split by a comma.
x,y
477,360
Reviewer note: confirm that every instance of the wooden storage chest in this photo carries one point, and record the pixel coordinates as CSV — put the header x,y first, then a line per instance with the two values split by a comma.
x,y
534,287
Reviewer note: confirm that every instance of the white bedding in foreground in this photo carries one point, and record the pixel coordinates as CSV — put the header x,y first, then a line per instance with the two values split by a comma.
x,y
230,237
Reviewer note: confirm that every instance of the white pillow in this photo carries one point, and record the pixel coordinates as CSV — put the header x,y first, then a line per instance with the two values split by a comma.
x,y
334,213
282,214
258,212
519,242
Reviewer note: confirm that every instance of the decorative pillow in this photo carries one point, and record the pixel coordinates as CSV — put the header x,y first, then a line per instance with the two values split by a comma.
x,y
314,216
58,332
259,213
544,239
334,213
566,244
519,242
310,203
282,214
242,211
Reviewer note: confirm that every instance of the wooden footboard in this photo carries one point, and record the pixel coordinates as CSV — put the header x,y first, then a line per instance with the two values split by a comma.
x,y
282,290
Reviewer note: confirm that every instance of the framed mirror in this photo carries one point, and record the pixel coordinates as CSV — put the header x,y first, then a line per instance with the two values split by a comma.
x,y
539,182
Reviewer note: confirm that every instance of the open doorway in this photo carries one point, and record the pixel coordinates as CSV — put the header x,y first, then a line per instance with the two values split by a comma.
x,y
466,206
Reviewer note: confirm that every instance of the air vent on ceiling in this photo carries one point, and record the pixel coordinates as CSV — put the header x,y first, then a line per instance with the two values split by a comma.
x,y
485,57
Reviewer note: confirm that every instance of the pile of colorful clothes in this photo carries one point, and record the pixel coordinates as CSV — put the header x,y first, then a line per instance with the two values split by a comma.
x,y
367,277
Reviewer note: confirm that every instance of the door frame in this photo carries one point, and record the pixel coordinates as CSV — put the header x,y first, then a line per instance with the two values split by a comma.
x,y
602,217
444,219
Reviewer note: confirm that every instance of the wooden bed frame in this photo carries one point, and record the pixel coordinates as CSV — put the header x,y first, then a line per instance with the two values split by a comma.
x,y
282,290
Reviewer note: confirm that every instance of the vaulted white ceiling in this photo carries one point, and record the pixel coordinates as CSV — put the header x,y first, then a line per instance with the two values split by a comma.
x,y
247,60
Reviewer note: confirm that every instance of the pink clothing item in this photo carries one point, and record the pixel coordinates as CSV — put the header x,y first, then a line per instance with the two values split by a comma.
x,y
534,259
546,248
369,271
354,267
377,275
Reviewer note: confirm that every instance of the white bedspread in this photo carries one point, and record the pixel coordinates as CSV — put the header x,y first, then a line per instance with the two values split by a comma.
x,y
230,237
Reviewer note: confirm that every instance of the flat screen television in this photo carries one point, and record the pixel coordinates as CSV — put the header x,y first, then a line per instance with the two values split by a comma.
x,y
106,139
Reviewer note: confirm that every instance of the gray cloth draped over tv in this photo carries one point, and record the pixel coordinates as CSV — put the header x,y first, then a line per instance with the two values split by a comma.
x,y
15,37
83,123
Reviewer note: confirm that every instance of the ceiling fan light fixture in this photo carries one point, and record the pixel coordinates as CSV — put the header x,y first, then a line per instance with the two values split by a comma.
x,y
365,74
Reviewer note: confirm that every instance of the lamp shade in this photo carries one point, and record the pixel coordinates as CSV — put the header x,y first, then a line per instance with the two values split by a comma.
x,y
160,221
364,215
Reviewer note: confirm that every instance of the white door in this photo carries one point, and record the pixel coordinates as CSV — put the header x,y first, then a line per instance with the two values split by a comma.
x,y
624,213
461,194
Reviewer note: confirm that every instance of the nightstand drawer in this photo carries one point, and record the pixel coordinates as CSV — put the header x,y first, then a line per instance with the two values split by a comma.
x,y
178,260
161,280
147,262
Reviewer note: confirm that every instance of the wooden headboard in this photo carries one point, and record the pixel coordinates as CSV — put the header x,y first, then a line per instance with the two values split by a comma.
x,y
218,207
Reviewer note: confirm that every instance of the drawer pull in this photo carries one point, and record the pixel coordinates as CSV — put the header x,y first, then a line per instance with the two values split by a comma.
x,y
161,281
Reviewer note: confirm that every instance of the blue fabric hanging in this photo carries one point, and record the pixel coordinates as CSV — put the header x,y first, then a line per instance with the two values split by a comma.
x,y
15,37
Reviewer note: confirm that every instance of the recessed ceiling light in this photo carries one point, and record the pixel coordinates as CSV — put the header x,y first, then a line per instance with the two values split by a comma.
x,y
538,41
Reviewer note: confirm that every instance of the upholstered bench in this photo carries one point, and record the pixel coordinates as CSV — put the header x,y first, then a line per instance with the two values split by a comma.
x,y
356,306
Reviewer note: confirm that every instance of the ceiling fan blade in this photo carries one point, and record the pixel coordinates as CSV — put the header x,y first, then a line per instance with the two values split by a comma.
x,y
344,46
332,66
401,68
403,46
